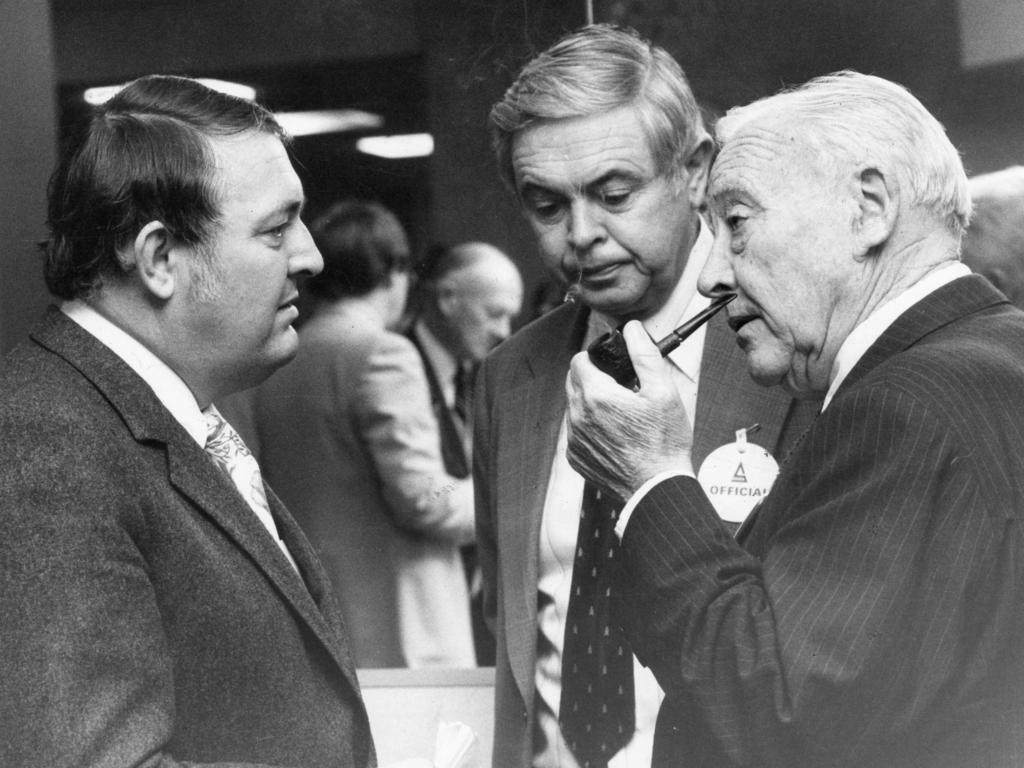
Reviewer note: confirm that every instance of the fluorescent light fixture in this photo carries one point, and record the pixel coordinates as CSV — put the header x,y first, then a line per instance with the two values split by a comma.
x,y
398,146
103,93
328,121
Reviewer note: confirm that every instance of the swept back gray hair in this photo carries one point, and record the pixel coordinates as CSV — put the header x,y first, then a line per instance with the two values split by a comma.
x,y
594,70
870,120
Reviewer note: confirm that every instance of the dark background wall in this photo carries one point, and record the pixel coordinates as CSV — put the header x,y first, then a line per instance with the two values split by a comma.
x,y
438,65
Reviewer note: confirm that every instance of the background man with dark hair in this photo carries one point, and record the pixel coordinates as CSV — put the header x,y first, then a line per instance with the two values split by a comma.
x,y
604,145
159,603
349,440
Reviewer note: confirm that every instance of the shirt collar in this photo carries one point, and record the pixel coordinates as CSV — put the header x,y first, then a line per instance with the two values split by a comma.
x,y
874,325
168,387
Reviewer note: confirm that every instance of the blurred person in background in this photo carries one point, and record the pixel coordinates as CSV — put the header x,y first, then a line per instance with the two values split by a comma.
x,y
467,298
994,243
349,439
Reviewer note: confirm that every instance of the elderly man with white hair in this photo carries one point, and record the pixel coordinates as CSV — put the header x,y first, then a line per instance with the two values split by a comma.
x,y
869,613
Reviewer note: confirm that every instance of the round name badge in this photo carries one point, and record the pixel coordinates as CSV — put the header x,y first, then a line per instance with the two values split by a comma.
x,y
736,476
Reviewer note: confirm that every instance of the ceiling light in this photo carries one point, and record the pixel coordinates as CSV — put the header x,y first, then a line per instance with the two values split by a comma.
x,y
399,146
104,93
327,121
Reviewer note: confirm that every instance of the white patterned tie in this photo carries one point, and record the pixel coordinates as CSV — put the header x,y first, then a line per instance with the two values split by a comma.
x,y
228,451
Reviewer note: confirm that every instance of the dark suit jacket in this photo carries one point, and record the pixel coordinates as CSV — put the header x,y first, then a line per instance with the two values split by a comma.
x,y
520,403
147,617
874,614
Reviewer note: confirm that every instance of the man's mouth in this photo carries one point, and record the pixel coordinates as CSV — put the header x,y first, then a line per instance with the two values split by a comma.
x,y
738,321
597,273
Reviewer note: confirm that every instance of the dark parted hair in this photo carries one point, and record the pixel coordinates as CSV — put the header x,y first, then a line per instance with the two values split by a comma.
x,y
362,244
144,155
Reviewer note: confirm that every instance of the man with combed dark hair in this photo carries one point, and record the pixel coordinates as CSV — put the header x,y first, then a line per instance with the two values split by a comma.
x,y
350,442
603,143
869,614
160,606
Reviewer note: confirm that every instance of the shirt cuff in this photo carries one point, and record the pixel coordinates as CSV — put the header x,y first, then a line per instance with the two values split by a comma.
x,y
638,496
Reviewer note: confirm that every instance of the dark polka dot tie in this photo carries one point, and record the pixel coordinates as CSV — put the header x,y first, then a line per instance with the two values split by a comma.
x,y
596,712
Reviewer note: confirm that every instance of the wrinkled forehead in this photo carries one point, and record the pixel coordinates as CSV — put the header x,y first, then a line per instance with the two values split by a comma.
x,y
757,156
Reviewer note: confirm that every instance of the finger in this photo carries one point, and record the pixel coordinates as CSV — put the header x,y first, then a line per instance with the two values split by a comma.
x,y
643,352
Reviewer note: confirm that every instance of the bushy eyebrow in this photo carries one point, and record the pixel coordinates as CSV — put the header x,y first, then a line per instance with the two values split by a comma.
x,y
613,175
291,209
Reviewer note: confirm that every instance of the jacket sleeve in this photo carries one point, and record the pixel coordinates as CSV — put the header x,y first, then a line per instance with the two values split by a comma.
x,y
397,422
852,616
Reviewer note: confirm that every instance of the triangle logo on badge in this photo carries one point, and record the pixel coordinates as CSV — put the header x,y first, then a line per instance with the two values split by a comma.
x,y
739,476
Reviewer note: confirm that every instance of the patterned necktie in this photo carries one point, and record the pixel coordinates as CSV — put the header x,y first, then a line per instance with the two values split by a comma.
x,y
225,446
597,708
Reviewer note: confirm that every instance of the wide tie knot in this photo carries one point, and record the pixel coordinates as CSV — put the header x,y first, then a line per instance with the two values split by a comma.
x,y
222,441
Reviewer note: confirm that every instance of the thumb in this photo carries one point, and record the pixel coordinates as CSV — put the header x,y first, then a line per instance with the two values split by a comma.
x,y
643,352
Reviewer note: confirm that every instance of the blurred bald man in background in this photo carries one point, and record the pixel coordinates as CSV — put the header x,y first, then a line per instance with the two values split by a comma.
x,y
467,298
994,244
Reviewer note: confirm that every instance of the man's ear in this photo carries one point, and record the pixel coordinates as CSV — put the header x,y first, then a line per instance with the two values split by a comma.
x,y
698,165
156,260
878,201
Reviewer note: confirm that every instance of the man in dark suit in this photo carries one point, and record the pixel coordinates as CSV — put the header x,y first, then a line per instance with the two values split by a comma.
x,y
870,613
603,144
160,606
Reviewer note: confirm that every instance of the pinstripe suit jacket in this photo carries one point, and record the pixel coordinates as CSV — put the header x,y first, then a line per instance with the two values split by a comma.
x,y
520,403
146,617
873,614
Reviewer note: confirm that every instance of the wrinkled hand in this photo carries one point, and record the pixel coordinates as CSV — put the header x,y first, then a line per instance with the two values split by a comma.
x,y
618,438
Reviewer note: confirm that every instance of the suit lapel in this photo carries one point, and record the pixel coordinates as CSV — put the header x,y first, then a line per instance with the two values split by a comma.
x,y
962,296
535,409
191,472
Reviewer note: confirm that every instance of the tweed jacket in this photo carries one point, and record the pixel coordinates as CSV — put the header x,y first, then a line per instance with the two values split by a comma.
x,y
147,616
871,614
520,403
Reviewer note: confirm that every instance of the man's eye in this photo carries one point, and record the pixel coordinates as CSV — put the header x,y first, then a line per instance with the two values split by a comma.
x,y
545,210
615,196
276,233
735,222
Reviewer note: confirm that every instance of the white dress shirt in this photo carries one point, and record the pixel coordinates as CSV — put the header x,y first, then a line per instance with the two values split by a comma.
x,y
168,387
560,523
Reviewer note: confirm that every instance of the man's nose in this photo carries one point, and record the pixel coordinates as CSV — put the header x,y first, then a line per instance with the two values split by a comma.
x,y
585,228
305,258
717,276
501,329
